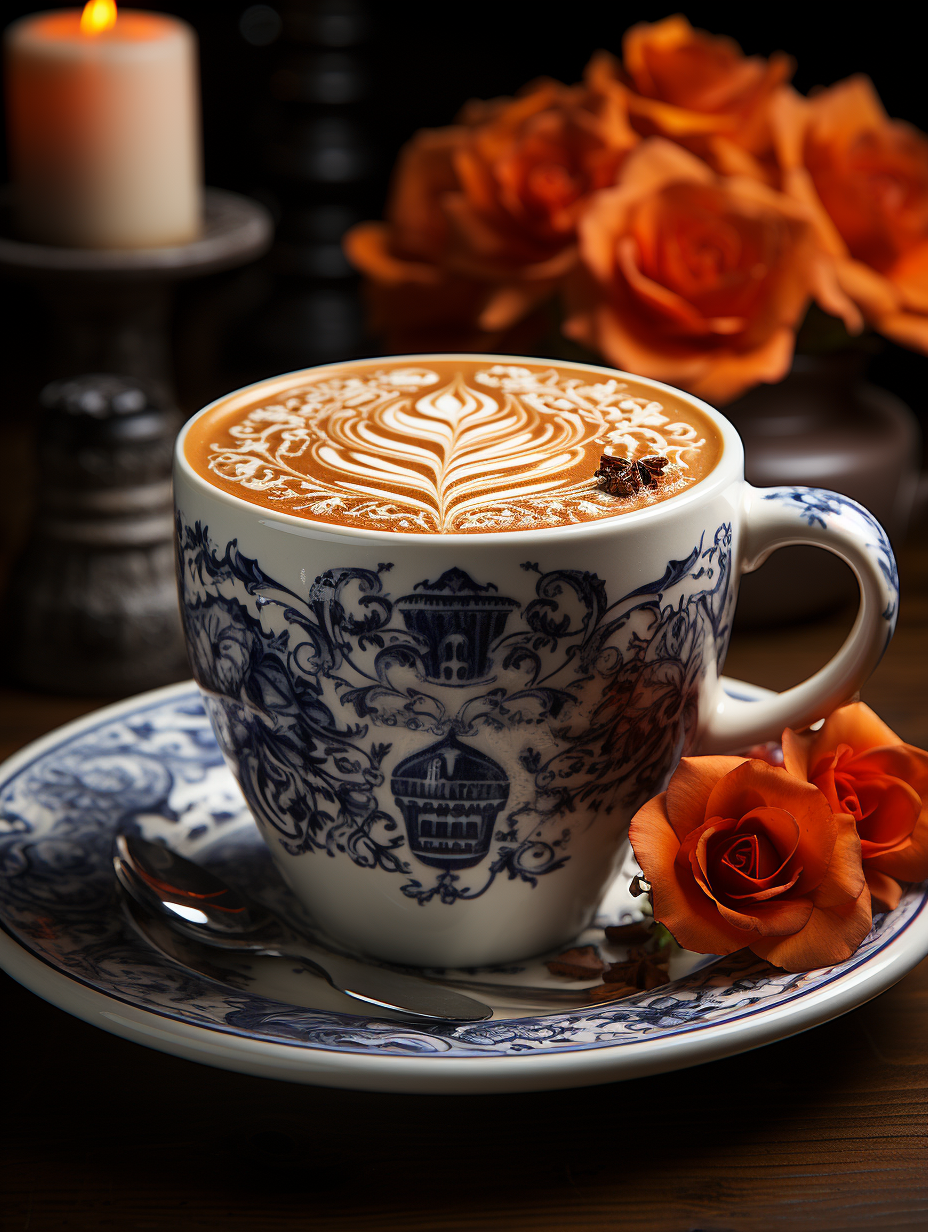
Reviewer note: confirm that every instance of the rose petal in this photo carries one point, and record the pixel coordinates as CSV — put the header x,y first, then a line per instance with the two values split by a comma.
x,y
687,82
885,891
738,861
899,761
754,784
908,861
841,882
910,275
796,753
368,248
679,313
772,919
690,787
889,813
822,774
653,839
855,725
905,328
779,914
678,902
830,936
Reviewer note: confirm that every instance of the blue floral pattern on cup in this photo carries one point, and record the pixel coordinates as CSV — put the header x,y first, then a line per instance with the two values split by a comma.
x,y
307,693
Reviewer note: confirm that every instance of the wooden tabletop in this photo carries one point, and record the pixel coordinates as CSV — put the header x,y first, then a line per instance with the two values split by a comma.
x,y
826,1130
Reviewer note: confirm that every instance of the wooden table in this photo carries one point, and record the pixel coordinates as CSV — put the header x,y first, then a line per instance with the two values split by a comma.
x,y
826,1130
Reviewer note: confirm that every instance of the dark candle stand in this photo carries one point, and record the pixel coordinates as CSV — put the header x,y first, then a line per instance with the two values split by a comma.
x,y
91,605
110,308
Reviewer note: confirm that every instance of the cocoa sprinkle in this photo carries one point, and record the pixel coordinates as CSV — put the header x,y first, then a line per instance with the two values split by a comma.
x,y
582,963
642,973
622,477
610,992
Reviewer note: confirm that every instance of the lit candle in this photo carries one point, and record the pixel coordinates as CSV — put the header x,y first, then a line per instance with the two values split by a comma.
x,y
103,124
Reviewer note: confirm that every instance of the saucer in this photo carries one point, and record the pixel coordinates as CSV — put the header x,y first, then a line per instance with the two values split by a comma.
x,y
152,761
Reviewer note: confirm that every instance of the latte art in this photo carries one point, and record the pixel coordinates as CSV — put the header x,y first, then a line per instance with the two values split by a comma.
x,y
444,446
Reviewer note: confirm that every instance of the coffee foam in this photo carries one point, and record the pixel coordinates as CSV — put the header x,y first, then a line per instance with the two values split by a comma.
x,y
450,445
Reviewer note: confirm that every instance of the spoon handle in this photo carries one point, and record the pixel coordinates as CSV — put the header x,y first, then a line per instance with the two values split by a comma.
x,y
391,990
183,913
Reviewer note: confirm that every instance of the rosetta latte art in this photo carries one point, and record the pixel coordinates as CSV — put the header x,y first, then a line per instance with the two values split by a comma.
x,y
446,447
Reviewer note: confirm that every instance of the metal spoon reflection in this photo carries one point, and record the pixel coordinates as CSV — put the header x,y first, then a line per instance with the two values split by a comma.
x,y
203,908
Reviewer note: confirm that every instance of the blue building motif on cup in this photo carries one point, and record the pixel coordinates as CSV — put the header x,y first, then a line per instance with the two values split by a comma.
x,y
458,621
450,796
303,691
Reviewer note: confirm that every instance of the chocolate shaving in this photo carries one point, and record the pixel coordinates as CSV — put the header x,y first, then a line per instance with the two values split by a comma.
x,y
628,934
622,477
582,963
636,953
610,992
642,973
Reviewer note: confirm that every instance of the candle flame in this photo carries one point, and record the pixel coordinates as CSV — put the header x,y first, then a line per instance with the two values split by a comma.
x,y
98,15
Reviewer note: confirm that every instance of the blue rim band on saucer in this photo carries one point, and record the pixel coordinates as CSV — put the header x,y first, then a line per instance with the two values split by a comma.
x,y
153,761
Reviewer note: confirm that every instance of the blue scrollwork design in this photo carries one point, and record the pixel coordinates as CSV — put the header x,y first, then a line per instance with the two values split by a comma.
x,y
156,764
302,688
814,505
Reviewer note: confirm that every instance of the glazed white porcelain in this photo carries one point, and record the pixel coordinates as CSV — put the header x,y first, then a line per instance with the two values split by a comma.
x,y
151,761
442,738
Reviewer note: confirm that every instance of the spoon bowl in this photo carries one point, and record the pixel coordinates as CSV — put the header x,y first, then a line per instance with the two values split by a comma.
x,y
204,908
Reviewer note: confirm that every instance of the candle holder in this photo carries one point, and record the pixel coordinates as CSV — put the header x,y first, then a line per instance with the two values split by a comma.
x,y
92,603
110,309
95,607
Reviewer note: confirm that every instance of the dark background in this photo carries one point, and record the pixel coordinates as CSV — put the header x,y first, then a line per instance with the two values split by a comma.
x,y
420,61
826,1130
306,103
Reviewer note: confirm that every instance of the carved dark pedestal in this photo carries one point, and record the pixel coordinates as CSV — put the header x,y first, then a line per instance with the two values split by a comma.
x,y
110,308
91,605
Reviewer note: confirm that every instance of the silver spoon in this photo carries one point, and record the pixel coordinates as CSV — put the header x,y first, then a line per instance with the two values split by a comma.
x,y
204,908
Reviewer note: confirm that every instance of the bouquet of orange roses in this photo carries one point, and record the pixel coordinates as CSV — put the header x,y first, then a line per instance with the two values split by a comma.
x,y
679,210
789,861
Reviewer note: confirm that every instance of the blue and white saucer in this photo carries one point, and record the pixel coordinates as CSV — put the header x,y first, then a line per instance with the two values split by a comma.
x,y
152,761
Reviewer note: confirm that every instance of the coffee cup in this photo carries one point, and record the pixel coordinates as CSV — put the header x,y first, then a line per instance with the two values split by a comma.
x,y
442,725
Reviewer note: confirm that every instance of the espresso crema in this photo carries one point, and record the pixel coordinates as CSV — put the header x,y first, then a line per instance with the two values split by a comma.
x,y
450,445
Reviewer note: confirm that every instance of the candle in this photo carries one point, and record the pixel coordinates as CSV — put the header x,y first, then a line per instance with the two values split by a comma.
x,y
103,124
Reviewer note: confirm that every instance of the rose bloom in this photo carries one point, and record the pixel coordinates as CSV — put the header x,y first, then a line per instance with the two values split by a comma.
x,y
690,277
481,221
740,853
863,768
698,89
412,300
864,179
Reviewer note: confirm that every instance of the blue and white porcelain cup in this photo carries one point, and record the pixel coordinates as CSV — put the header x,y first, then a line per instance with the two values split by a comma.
x,y
443,737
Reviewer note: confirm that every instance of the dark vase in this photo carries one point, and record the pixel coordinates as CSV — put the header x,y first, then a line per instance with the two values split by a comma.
x,y
824,426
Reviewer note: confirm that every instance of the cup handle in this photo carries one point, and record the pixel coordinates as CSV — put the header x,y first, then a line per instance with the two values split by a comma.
x,y
775,518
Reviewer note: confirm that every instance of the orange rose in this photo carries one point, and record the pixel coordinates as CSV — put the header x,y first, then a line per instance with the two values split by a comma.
x,y
863,768
481,222
697,89
690,277
418,306
412,300
528,169
864,180
740,853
